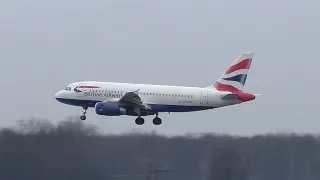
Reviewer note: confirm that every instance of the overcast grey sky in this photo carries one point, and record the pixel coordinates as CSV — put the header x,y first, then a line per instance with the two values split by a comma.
x,y
45,45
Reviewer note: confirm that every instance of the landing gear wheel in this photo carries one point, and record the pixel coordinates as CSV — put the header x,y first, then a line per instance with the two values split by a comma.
x,y
157,121
84,111
83,117
139,121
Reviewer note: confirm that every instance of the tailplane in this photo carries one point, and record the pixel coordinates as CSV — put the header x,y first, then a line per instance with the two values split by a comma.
x,y
234,78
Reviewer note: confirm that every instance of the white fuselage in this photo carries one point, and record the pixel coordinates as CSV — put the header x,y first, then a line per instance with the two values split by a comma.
x,y
115,99
162,98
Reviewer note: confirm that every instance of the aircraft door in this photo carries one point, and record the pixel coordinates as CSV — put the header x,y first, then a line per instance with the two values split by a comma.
x,y
204,97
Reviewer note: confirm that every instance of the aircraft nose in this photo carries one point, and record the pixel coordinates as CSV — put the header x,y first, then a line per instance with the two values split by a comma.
x,y
58,95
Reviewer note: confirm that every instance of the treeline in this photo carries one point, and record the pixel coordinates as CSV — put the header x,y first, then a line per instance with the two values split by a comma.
x,y
39,150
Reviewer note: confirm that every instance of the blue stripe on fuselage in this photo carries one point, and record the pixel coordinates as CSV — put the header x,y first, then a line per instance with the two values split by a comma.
x,y
77,102
176,108
154,107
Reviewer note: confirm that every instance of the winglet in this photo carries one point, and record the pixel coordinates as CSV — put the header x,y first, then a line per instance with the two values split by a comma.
x,y
136,91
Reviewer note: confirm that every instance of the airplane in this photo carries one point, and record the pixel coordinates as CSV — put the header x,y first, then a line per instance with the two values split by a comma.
x,y
140,100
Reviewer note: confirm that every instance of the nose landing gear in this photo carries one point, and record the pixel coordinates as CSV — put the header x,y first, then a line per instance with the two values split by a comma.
x,y
84,111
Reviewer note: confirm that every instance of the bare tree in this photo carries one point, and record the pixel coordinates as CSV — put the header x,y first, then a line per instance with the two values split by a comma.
x,y
226,164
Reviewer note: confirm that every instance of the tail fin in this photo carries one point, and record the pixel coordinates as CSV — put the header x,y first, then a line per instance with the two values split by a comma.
x,y
234,79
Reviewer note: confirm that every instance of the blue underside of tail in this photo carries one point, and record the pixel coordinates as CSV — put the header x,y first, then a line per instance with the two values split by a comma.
x,y
154,107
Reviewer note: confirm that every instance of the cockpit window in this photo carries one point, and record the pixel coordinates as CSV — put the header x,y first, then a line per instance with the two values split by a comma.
x,y
68,89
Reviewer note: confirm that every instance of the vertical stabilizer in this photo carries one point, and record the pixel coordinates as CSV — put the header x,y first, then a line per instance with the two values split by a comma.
x,y
234,78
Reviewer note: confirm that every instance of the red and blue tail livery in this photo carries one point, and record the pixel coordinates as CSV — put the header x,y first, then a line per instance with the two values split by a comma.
x,y
234,79
139,100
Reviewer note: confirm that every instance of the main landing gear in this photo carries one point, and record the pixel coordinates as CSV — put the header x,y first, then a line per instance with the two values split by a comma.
x,y
139,121
84,111
156,120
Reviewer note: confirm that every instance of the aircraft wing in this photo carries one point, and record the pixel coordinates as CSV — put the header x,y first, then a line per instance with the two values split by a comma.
x,y
132,99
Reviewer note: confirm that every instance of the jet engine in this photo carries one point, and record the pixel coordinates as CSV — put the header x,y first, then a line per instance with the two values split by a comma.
x,y
109,109
112,109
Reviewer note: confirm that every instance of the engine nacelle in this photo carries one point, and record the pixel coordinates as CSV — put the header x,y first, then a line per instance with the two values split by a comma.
x,y
109,109
112,109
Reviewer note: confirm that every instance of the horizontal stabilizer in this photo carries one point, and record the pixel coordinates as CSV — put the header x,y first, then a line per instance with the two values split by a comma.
x,y
241,96
230,97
